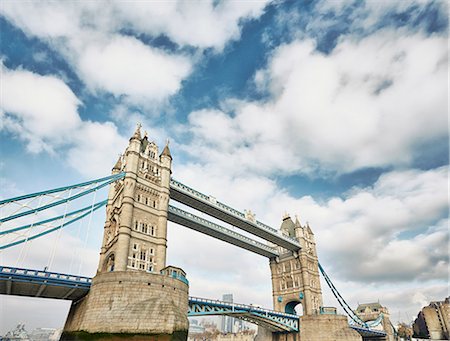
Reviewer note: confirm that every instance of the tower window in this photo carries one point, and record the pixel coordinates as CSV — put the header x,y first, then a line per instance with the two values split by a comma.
x,y
139,197
152,232
146,200
135,246
154,203
136,225
151,251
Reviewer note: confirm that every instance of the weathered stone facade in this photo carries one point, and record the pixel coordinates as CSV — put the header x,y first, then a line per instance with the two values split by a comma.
x,y
315,328
372,311
143,303
434,321
135,235
295,276
134,294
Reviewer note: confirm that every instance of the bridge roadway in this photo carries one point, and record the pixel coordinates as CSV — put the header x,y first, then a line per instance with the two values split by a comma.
x,y
44,284
209,205
196,223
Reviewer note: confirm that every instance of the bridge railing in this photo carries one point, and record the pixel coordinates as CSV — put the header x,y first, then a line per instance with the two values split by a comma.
x,y
224,207
250,308
41,274
219,228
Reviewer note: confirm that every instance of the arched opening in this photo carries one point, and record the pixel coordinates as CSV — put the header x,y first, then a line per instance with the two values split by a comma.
x,y
294,307
109,264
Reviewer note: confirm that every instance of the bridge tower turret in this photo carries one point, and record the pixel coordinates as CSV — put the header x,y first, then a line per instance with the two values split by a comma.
x,y
135,233
295,275
134,294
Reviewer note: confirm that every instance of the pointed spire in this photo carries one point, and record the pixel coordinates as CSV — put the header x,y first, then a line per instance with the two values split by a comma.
x,y
137,133
297,222
118,165
166,150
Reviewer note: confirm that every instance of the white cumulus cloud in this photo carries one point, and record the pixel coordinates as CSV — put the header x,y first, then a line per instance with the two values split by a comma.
x,y
372,102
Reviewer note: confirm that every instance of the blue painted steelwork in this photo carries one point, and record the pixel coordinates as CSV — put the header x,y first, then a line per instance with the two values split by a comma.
x,y
349,311
89,210
273,320
209,205
366,332
37,283
44,277
60,189
103,182
196,223
42,222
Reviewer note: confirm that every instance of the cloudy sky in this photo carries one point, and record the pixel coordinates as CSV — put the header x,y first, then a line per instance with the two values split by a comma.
x,y
334,111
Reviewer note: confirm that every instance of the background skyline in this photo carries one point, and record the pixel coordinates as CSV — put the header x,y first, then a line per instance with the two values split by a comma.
x,y
334,111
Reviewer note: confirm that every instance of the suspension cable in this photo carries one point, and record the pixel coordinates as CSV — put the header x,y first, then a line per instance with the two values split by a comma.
x,y
96,207
60,189
341,300
58,235
62,201
87,233
19,259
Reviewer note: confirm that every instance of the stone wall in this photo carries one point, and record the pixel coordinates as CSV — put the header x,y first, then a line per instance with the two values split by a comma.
x,y
327,328
130,303
315,328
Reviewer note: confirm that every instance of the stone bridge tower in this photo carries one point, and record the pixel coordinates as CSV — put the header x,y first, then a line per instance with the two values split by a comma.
x,y
372,311
134,294
295,276
135,234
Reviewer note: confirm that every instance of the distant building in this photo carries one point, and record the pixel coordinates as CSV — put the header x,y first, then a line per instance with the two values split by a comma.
x,y
227,322
433,321
195,327
45,334
19,333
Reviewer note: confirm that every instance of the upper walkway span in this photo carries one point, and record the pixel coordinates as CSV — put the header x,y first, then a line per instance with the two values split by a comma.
x,y
196,223
207,204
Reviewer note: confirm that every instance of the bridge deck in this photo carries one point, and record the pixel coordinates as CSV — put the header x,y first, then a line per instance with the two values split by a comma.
x,y
270,319
44,284
206,204
196,223
35,283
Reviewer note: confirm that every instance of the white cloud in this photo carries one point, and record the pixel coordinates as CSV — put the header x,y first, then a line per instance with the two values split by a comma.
x,y
107,60
39,109
42,111
126,66
96,147
204,25
368,15
396,228
370,103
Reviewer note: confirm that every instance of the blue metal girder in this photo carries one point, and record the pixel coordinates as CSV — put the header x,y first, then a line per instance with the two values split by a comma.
x,y
270,319
36,283
365,332
206,204
196,223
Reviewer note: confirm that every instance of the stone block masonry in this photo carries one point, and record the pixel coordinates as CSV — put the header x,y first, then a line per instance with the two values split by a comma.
x,y
132,305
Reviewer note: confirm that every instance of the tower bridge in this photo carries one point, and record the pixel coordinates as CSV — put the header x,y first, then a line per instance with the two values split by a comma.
x,y
135,293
